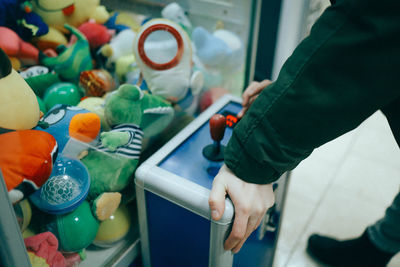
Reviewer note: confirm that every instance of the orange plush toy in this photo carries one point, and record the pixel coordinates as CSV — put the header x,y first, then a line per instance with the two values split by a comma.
x,y
26,156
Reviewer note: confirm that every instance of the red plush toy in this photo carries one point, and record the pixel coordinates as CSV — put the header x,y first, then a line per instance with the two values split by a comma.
x,y
44,247
15,47
96,34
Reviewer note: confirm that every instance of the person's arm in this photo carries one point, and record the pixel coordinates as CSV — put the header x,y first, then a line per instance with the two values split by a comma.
x,y
345,70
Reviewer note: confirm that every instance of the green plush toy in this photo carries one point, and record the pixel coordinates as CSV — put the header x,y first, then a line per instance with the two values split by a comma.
x,y
72,60
157,114
112,164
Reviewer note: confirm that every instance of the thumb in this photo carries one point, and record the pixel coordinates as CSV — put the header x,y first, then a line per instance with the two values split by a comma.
x,y
217,199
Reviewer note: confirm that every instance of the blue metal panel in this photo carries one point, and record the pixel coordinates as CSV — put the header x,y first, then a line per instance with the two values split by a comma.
x,y
189,154
255,252
137,262
177,237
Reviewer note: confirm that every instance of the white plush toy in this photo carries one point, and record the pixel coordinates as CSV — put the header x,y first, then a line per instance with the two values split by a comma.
x,y
164,55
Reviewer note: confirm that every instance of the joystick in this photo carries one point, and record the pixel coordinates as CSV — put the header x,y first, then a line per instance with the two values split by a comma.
x,y
215,151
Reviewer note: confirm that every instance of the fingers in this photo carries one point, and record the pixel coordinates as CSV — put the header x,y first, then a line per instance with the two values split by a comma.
x,y
217,198
251,93
242,112
252,225
239,230
265,83
250,201
253,89
245,108
246,221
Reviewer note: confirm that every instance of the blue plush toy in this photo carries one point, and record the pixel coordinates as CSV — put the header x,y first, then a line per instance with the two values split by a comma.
x,y
219,49
112,24
64,121
18,16
220,58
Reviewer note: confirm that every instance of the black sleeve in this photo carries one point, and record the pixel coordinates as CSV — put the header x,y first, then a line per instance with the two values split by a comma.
x,y
345,70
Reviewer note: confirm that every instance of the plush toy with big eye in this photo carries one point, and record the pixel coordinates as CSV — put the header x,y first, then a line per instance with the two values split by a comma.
x,y
64,121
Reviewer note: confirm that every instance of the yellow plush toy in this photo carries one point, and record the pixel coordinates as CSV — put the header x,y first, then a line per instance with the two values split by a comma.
x,y
72,12
19,108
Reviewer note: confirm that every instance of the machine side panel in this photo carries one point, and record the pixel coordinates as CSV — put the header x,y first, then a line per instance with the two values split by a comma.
x,y
177,237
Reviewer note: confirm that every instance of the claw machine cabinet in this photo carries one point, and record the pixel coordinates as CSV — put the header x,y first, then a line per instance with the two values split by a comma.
x,y
247,19
173,187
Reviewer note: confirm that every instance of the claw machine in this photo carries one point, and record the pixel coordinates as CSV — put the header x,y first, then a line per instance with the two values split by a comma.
x,y
232,42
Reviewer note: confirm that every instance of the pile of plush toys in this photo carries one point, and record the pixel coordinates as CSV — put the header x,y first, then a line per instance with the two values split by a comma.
x,y
82,93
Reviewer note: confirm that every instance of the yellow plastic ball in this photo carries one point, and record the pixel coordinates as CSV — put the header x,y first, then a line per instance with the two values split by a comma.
x,y
114,228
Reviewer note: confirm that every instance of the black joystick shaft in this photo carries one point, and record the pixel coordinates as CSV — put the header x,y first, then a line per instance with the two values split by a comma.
x,y
215,151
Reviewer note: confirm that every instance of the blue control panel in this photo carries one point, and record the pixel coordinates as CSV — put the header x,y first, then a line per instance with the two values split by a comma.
x,y
171,214
187,159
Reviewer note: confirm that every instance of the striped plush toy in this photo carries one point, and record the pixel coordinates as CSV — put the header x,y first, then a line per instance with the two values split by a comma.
x,y
112,164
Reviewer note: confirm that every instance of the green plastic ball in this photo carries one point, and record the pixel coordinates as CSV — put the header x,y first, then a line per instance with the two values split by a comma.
x,y
62,93
75,230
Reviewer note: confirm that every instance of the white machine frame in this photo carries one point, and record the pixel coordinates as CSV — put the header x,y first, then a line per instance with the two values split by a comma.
x,y
195,197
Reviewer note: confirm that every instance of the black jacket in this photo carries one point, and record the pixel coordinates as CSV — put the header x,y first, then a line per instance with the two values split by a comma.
x,y
344,71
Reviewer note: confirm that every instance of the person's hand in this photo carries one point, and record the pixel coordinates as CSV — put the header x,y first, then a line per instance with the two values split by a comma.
x,y
251,201
250,94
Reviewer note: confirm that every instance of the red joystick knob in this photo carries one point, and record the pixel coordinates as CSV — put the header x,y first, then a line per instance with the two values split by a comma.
x,y
215,151
217,127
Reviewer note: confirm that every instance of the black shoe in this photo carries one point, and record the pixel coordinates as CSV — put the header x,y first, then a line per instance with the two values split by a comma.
x,y
358,252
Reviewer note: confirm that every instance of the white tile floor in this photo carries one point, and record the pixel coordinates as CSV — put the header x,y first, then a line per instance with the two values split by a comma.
x,y
344,186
